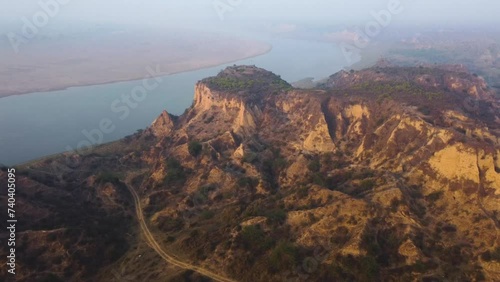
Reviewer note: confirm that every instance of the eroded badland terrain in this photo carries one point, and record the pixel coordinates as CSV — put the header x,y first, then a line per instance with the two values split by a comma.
x,y
384,174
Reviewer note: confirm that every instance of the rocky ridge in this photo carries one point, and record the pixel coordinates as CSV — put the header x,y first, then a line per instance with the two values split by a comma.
x,y
389,173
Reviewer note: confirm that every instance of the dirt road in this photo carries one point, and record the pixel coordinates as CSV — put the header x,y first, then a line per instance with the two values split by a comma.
x,y
167,257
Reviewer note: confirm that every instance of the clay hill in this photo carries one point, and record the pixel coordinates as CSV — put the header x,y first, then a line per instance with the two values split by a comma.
x,y
384,174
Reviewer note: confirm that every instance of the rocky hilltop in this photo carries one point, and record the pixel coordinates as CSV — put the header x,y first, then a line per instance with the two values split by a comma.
x,y
384,174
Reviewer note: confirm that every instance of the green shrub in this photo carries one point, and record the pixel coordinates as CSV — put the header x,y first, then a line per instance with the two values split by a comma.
x,y
302,192
279,163
495,254
195,148
380,121
367,184
314,165
351,268
362,174
395,202
207,214
249,157
434,196
449,228
369,268
283,256
107,177
276,215
255,239
225,81
424,110
175,172
248,182
251,235
318,179
491,255
167,223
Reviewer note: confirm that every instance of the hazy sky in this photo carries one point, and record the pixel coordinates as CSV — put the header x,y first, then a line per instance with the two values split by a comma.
x,y
202,14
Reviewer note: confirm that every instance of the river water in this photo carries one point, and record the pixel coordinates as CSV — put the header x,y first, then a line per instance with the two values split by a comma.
x,y
39,124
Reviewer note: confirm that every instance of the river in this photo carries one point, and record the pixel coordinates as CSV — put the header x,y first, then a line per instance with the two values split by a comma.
x,y
39,124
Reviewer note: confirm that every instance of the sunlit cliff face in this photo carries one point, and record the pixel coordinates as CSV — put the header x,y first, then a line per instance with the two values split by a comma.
x,y
370,171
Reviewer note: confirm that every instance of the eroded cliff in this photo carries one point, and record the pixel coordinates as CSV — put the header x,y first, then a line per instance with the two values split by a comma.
x,y
386,174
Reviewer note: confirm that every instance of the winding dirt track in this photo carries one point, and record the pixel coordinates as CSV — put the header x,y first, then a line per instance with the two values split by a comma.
x,y
167,257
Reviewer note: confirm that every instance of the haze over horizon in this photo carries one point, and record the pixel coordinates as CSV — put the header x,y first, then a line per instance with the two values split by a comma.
x,y
250,140
240,15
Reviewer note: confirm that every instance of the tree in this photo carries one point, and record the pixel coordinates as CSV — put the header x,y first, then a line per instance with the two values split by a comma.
x,y
195,148
314,165
175,172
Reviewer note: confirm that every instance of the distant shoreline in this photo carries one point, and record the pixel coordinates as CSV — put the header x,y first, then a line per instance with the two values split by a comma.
x,y
268,49
62,64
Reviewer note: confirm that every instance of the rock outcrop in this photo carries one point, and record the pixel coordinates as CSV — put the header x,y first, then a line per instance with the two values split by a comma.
x,y
163,125
384,174
392,151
